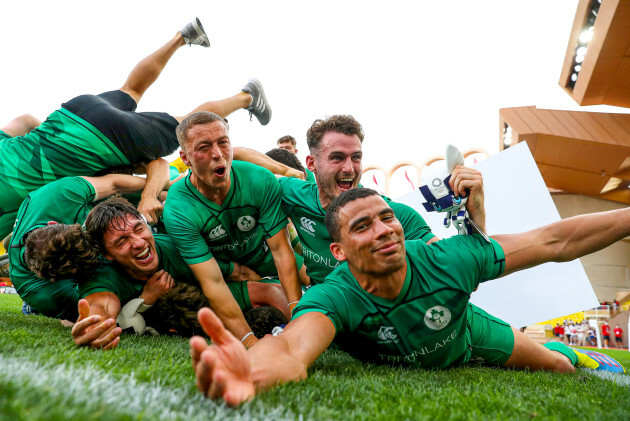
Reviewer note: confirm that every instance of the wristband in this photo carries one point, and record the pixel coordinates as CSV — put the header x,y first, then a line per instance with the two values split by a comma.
x,y
293,302
249,340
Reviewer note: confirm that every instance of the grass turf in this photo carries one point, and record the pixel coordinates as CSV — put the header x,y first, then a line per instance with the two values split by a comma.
x,y
43,376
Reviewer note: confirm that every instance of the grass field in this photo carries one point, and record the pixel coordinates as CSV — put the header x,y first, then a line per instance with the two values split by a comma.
x,y
43,376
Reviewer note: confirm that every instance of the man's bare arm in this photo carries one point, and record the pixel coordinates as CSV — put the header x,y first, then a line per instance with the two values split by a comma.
x,y
225,371
111,184
262,160
221,300
157,179
284,259
564,240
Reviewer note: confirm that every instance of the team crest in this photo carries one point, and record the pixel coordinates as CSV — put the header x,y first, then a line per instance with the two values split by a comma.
x,y
245,223
437,318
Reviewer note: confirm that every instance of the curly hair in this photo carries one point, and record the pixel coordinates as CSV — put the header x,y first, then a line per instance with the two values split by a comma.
x,y
176,311
339,123
60,251
263,319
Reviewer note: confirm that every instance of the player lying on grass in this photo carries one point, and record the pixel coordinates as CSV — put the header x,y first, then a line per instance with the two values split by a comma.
x,y
145,266
176,311
47,241
403,303
225,216
92,133
335,147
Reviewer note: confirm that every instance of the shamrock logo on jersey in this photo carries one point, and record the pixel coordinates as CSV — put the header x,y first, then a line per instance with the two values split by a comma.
x,y
245,223
437,317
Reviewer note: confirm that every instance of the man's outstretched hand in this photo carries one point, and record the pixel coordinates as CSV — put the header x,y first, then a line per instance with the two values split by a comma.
x,y
90,331
222,369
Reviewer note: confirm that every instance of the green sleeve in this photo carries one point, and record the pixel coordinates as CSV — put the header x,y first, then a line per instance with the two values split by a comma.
x,y
107,279
318,299
272,217
413,224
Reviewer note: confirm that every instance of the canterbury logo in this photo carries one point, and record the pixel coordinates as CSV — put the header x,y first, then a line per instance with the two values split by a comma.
x,y
307,224
216,233
386,333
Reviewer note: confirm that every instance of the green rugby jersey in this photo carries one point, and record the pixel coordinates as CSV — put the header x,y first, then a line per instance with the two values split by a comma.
x,y
426,325
66,201
310,176
300,201
112,278
63,145
234,231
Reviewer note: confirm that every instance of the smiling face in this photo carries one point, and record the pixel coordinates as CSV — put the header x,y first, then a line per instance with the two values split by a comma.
x,y
336,164
129,242
208,153
371,239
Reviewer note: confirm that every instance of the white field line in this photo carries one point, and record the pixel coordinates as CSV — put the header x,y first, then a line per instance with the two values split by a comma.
x,y
90,388
620,379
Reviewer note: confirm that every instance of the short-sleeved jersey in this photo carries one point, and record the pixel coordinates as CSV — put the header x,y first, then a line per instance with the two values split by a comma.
x,y
110,277
63,145
310,177
234,231
300,202
426,325
66,201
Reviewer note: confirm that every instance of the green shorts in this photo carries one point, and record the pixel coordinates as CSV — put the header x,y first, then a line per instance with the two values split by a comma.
x,y
491,339
241,295
4,135
57,299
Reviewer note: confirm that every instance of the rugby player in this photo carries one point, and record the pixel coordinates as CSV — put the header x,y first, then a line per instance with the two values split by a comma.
x,y
144,266
48,242
403,302
93,133
225,218
336,160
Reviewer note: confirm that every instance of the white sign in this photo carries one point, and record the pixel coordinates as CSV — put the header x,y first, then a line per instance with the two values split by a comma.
x,y
517,200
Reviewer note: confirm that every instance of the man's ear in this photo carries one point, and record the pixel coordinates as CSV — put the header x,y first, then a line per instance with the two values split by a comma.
x,y
310,163
108,256
337,252
182,155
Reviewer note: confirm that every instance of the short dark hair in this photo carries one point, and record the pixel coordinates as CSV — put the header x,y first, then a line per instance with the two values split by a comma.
x,y
287,158
176,311
60,251
195,119
106,213
263,319
339,123
332,213
286,139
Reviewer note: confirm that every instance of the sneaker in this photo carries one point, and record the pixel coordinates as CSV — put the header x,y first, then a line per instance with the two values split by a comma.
x,y
598,361
26,309
193,33
259,106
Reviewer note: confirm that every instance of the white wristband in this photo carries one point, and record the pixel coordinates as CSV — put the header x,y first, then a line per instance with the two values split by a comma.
x,y
246,336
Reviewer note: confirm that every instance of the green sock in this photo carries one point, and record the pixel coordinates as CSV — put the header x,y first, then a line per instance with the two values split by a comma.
x,y
566,351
